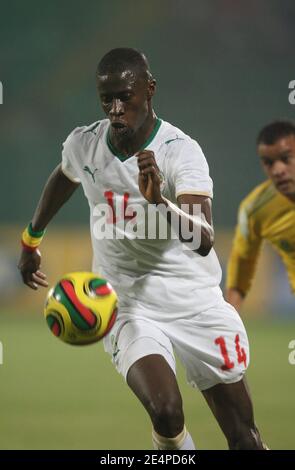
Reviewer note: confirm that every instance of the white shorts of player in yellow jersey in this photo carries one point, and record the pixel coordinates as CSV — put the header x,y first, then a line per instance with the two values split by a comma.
x,y
212,345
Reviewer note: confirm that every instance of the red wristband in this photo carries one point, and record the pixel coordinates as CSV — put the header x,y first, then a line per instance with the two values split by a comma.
x,y
27,248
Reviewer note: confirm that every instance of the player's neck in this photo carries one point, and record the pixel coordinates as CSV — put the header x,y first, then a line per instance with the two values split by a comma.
x,y
130,145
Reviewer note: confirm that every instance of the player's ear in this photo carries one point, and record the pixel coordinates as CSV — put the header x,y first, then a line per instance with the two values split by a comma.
x,y
151,88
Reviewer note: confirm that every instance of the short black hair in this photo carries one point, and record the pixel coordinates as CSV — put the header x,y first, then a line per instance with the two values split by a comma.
x,y
275,131
121,59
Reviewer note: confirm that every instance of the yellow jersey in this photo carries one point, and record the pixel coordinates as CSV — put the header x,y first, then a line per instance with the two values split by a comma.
x,y
265,214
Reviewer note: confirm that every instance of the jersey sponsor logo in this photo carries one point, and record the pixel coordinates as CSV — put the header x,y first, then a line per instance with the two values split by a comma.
x,y
92,173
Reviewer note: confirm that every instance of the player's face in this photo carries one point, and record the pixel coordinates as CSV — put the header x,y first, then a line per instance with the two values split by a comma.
x,y
126,100
278,161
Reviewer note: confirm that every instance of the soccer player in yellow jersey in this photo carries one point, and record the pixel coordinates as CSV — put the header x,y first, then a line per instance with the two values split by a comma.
x,y
267,213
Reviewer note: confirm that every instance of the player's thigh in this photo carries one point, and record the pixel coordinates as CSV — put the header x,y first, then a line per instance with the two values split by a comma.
x,y
132,339
212,345
143,354
154,382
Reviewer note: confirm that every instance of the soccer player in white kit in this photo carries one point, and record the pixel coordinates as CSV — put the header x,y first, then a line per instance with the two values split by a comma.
x,y
168,287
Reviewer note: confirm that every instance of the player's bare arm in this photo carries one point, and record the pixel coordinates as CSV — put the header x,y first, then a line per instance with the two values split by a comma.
x,y
206,223
241,269
56,192
149,181
240,273
235,298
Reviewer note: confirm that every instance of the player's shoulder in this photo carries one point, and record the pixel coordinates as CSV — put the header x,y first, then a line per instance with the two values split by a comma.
x,y
258,198
84,135
174,140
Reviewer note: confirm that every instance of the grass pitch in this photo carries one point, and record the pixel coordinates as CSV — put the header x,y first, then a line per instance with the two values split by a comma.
x,y
56,396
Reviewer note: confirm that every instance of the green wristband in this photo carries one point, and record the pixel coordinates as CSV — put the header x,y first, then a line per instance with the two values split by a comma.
x,y
33,233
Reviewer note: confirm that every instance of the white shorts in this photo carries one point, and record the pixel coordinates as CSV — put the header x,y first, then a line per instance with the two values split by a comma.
x,y
212,345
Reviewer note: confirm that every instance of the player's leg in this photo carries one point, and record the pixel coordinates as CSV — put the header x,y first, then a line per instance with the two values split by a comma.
x,y
154,383
216,364
232,407
143,354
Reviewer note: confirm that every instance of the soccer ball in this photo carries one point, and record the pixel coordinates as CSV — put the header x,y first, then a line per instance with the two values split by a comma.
x,y
81,308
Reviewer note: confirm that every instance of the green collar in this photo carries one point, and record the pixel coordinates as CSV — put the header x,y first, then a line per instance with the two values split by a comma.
x,y
122,157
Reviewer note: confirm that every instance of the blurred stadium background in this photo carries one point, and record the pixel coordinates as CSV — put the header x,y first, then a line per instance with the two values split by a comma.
x,y
223,70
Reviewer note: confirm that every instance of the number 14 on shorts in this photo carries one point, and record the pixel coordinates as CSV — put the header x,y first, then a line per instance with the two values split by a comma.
x,y
227,362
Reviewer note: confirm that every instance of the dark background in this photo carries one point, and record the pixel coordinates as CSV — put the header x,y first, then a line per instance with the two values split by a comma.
x,y
222,67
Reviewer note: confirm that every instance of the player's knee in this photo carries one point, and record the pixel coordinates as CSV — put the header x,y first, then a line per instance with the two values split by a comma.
x,y
167,416
246,439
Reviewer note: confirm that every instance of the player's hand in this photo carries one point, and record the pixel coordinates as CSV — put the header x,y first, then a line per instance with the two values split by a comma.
x,y
29,265
149,178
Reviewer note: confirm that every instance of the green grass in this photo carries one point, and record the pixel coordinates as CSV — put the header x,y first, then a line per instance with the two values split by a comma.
x,y
55,396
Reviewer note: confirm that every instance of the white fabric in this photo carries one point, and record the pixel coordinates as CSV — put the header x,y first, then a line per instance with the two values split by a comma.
x,y
192,338
168,280
131,340
188,443
181,442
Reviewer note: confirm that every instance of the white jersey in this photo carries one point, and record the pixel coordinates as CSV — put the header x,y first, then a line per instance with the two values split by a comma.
x,y
156,273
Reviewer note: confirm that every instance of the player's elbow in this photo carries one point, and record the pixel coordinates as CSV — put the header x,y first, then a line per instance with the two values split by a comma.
x,y
203,246
205,249
207,242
